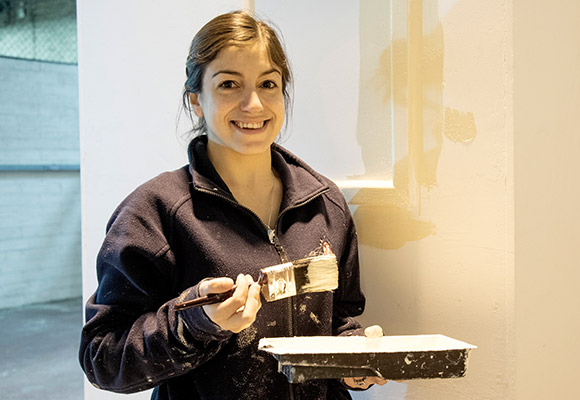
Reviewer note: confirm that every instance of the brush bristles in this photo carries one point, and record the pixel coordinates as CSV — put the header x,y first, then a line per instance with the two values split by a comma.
x,y
314,274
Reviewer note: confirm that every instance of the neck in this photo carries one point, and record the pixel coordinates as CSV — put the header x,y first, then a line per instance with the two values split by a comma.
x,y
240,170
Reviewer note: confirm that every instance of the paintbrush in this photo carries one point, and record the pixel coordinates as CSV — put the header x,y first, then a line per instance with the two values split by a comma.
x,y
307,275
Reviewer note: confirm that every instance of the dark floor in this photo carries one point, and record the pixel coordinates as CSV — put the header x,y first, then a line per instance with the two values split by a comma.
x,y
38,352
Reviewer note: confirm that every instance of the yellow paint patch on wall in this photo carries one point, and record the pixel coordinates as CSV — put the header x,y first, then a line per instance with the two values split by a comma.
x,y
401,93
384,219
389,227
459,125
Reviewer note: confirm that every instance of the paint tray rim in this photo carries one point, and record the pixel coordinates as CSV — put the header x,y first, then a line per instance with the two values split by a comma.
x,y
361,344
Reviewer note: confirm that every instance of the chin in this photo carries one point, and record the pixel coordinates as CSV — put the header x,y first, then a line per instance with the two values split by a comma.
x,y
243,143
253,149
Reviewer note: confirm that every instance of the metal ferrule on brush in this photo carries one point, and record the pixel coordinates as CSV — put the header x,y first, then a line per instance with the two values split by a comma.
x,y
313,274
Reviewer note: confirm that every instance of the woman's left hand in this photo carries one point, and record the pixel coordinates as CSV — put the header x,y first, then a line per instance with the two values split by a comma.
x,y
374,331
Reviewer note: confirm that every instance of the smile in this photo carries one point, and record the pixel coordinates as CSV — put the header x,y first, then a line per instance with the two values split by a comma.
x,y
250,125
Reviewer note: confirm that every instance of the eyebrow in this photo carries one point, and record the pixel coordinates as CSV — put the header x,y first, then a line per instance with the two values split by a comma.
x,y
230,72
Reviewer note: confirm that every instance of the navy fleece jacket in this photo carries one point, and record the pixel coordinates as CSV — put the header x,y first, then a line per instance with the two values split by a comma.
x,y
184,226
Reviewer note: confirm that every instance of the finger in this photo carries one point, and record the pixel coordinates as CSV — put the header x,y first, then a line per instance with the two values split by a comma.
x,y
357,382
250,279
217,285
222,313
374,331
246,315
242,286
253,303
377,381
238,298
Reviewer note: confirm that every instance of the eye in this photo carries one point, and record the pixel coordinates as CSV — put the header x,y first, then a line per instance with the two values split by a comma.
x,y
269,84
227,84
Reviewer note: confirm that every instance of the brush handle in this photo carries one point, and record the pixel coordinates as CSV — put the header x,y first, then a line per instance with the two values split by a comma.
x,y
211,298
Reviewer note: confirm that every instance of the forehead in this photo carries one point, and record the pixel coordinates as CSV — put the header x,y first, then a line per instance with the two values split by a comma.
x,y
252,57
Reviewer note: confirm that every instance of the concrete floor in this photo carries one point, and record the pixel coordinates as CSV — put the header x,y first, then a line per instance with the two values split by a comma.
x,y
38,352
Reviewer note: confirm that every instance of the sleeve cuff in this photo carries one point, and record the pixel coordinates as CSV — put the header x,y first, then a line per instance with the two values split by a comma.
x,y
198,323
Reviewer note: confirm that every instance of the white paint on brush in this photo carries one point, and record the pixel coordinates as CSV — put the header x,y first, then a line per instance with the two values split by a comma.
x,y
313,274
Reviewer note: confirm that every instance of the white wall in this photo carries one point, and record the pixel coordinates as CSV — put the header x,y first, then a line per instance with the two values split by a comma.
x,y
131,76
131,73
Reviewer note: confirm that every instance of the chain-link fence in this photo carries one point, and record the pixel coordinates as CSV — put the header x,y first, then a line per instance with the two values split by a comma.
x,y
42,30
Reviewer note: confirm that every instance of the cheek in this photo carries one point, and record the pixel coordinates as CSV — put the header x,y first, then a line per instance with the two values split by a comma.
x,y
220,106
281,109
276,103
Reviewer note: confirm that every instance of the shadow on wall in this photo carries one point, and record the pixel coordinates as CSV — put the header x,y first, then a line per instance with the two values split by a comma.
x,y
410,75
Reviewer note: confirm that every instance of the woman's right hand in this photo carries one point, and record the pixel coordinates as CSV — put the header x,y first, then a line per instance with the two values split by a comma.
x,y
239,311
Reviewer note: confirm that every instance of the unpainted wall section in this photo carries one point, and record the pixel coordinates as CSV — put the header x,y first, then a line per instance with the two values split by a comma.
x,y
547,198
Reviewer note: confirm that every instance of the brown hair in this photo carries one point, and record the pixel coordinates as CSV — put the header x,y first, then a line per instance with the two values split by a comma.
x,y
232,29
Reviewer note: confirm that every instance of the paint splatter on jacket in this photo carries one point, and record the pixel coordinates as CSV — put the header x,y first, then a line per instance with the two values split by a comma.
x,y
184,226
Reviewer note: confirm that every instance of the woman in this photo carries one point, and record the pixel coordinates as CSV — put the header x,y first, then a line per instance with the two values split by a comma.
x,y
242,203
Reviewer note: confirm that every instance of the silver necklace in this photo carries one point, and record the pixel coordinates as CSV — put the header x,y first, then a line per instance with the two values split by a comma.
x,y
270,230
271,202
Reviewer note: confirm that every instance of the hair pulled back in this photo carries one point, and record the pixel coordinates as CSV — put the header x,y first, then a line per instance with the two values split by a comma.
x,y
237,28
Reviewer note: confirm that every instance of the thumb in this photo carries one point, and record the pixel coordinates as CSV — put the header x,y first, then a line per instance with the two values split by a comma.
x,y
374,331
217,285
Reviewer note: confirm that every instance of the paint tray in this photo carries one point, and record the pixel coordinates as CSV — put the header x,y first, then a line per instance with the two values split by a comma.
x,y
389,357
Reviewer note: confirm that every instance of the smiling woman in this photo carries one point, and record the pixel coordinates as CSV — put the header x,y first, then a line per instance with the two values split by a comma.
x,y
241,204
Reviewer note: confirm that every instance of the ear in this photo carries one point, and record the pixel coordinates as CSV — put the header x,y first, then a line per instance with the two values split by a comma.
x,y
195,104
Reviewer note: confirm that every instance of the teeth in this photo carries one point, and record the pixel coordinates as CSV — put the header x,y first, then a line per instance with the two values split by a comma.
x,y
250,125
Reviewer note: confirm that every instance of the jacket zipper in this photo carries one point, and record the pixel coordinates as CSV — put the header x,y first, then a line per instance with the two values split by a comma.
x,y
290,304
273,239
284,258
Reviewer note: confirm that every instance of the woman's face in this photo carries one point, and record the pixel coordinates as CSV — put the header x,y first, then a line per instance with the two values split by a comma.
x,y
241,99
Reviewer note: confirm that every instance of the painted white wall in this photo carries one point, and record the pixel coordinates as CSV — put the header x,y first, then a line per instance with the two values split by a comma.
x,y
347,99
131,72
493,271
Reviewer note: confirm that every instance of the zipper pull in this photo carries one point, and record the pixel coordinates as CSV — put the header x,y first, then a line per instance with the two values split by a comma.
x,y
274,241
271,236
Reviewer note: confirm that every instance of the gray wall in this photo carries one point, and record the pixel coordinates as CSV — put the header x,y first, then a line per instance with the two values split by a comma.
x,y
40,245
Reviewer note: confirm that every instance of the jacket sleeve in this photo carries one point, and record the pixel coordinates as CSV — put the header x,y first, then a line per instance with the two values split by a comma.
x,y
133,338
349,301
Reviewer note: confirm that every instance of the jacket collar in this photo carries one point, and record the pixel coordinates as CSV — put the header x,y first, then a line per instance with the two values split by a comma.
x,y
301,183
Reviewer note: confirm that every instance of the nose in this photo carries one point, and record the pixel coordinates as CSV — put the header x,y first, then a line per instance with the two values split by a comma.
x,y
251,102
